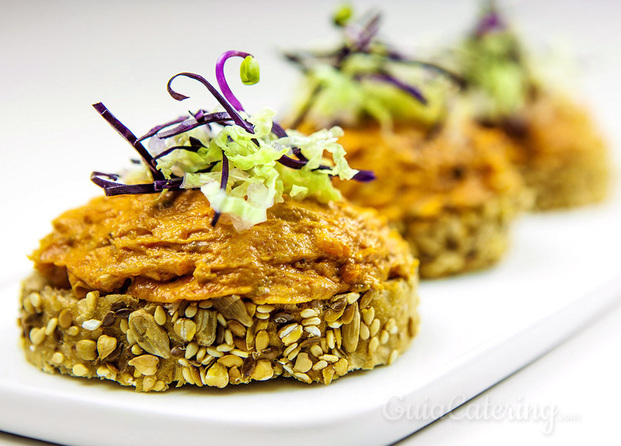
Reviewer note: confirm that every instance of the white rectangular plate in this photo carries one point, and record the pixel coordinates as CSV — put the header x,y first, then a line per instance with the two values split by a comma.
x,y
476,330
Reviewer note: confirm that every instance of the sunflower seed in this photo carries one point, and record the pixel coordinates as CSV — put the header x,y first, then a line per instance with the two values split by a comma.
x,y
150,336
232,307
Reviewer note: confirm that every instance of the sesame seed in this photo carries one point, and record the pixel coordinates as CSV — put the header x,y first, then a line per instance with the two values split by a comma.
x,y
160,316
352,297
373,344
374,327
384,337
205,304
311,321
320,365
240,353
221,320
308,313
190,312
35,300
200,355
65,319
313,331
364,332
51,326
289,349
57,358
265,309
213,352
391,326
316,350
228,337
294,353
37,335
329,358
137,350
293,334
303,377
368,315
393,356
187,375
224,348
79,370
191,350
91,324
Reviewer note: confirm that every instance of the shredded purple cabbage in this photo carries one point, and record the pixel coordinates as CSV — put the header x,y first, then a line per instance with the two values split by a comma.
x,y
216,94
361,38
130,138
411,89
490,22
109,182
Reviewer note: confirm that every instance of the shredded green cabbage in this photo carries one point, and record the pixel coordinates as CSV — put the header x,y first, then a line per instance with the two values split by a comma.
x,y
350,94
256,179
498,77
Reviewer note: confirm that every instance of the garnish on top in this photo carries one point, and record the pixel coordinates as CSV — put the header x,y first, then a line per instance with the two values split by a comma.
x,y
493,64
365,78
242,163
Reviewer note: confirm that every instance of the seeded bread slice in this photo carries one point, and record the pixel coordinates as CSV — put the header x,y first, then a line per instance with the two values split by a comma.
x,y
214,342
461,240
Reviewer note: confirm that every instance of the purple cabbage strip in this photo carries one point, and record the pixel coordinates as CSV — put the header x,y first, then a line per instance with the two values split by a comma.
x,y
291,163
453,77
112,188
157,128
490,22
172,149
237,119
224,179
278,130
130,138
368,32
201,119
364,176
222,83
412,90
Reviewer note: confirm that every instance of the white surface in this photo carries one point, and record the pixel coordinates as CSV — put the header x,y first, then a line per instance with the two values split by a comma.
x,y
58,58
540,294
570,396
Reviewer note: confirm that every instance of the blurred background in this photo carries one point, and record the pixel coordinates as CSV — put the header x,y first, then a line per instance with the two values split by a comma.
x,y
59,57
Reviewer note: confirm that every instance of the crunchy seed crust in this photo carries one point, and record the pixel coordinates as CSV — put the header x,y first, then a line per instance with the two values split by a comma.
x,y
463,240
152,346
561,154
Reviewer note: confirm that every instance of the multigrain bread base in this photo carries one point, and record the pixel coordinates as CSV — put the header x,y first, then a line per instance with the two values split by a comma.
x,y
560,153
85,314
452,194
214,342
462,240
